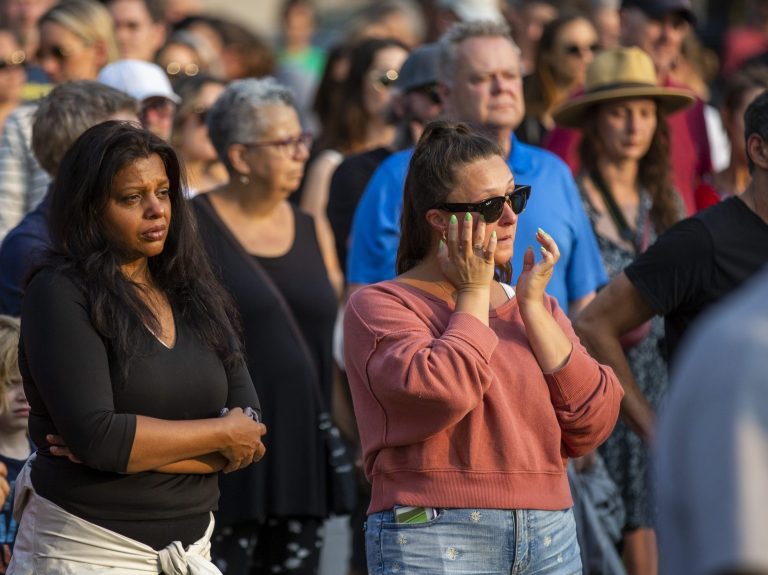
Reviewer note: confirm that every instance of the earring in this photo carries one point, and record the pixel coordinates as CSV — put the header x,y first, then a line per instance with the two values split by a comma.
x,y
245,180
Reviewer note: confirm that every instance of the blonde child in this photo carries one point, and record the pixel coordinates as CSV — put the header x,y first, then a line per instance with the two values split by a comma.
x,y
14,442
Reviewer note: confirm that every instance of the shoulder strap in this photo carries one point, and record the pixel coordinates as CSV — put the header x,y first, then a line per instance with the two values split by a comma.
x,y
614,211
205,203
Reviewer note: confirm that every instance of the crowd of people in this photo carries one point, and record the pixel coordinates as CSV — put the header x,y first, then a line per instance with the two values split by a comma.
x,y
250,282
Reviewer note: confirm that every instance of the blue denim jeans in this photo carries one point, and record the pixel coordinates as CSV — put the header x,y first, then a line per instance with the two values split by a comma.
x,y
476,542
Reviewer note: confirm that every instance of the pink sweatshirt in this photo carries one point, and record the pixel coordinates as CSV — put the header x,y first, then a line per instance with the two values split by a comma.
x,y
456,414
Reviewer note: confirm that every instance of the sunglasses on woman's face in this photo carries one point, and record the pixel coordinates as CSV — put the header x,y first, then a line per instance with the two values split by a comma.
x,y
492,208
576,50
386,78
15,60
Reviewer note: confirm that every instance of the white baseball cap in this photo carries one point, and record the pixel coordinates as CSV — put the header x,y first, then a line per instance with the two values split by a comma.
x,y
138,79
474,10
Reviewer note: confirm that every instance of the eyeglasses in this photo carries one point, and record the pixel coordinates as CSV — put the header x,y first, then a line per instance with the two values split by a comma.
x,y
385,78
492,208
15,60
176,69
576,50
57,52
159,104
287,146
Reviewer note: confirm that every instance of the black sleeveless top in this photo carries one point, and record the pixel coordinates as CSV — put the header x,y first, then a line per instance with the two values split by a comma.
x,y
291,479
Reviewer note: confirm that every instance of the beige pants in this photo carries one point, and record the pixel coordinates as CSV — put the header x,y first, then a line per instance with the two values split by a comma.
x,y
52,541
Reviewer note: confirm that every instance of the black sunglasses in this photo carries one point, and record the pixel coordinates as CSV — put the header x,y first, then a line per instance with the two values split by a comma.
x,y
56,52
430,91
492,208
15,60
576,50
386,78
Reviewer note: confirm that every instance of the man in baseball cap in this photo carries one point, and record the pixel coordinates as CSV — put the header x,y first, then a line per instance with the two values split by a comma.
x,y
658,27
148,84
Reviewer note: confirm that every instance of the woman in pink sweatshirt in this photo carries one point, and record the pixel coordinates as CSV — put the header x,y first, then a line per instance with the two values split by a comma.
x,y
470,395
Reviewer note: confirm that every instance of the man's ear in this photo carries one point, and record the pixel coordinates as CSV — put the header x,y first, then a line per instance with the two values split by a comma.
x,y
757,150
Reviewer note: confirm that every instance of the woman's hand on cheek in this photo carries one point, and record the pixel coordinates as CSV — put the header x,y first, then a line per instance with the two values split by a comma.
x,y
466,259
535,276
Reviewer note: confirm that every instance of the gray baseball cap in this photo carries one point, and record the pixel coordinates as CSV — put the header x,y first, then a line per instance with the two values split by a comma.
x,y
419,69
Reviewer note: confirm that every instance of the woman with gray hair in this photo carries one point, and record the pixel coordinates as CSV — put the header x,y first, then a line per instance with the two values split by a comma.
x,y
267,254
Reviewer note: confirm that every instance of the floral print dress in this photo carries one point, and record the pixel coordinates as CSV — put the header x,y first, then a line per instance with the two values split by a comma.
x,y
626,457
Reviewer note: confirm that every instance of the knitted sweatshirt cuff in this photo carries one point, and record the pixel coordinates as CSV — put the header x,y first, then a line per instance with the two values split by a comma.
x,y
574,380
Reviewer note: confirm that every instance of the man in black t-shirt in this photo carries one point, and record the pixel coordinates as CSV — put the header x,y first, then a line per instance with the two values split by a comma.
x,y
692,266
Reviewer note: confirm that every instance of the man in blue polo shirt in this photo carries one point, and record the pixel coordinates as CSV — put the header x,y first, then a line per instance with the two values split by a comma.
x,y
480,83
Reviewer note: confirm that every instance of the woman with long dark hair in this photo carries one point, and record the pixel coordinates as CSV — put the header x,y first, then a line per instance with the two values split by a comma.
x,y
363,122
627,192
128,356
566,47
470,395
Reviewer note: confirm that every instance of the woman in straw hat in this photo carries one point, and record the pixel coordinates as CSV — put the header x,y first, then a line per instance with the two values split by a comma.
x,y
627,193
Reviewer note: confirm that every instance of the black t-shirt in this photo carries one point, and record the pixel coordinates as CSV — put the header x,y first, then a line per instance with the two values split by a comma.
x,y
68,375
291,479
699,261
347,186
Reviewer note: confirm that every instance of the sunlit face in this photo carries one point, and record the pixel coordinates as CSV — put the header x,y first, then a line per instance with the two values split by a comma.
x,y
377,86
22,15
193,142
573,49
487,88
137,216
14,417
626,128
65,57
138,37
480,181
157,116
661,38
277,167
12,74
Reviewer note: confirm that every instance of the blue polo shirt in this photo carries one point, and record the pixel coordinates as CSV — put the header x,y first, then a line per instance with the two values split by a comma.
x,y
554,206
22,247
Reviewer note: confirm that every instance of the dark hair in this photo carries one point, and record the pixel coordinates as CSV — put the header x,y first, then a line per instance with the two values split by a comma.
x,y
740,83
82,251
443,149
654,170
155,8
256,56
348,131
756,122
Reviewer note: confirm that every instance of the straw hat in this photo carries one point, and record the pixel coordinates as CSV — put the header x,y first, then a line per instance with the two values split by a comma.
x,y
617,74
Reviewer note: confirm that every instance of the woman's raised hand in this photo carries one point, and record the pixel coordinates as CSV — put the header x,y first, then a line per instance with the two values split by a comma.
x,y
244,444
466,258
535,276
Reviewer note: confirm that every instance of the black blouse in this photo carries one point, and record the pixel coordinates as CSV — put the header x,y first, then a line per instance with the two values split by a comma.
x,y
68,378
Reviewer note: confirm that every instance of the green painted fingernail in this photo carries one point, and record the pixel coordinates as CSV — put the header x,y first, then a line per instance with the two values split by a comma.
x,y
441,244
467,217
493,234
453,219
